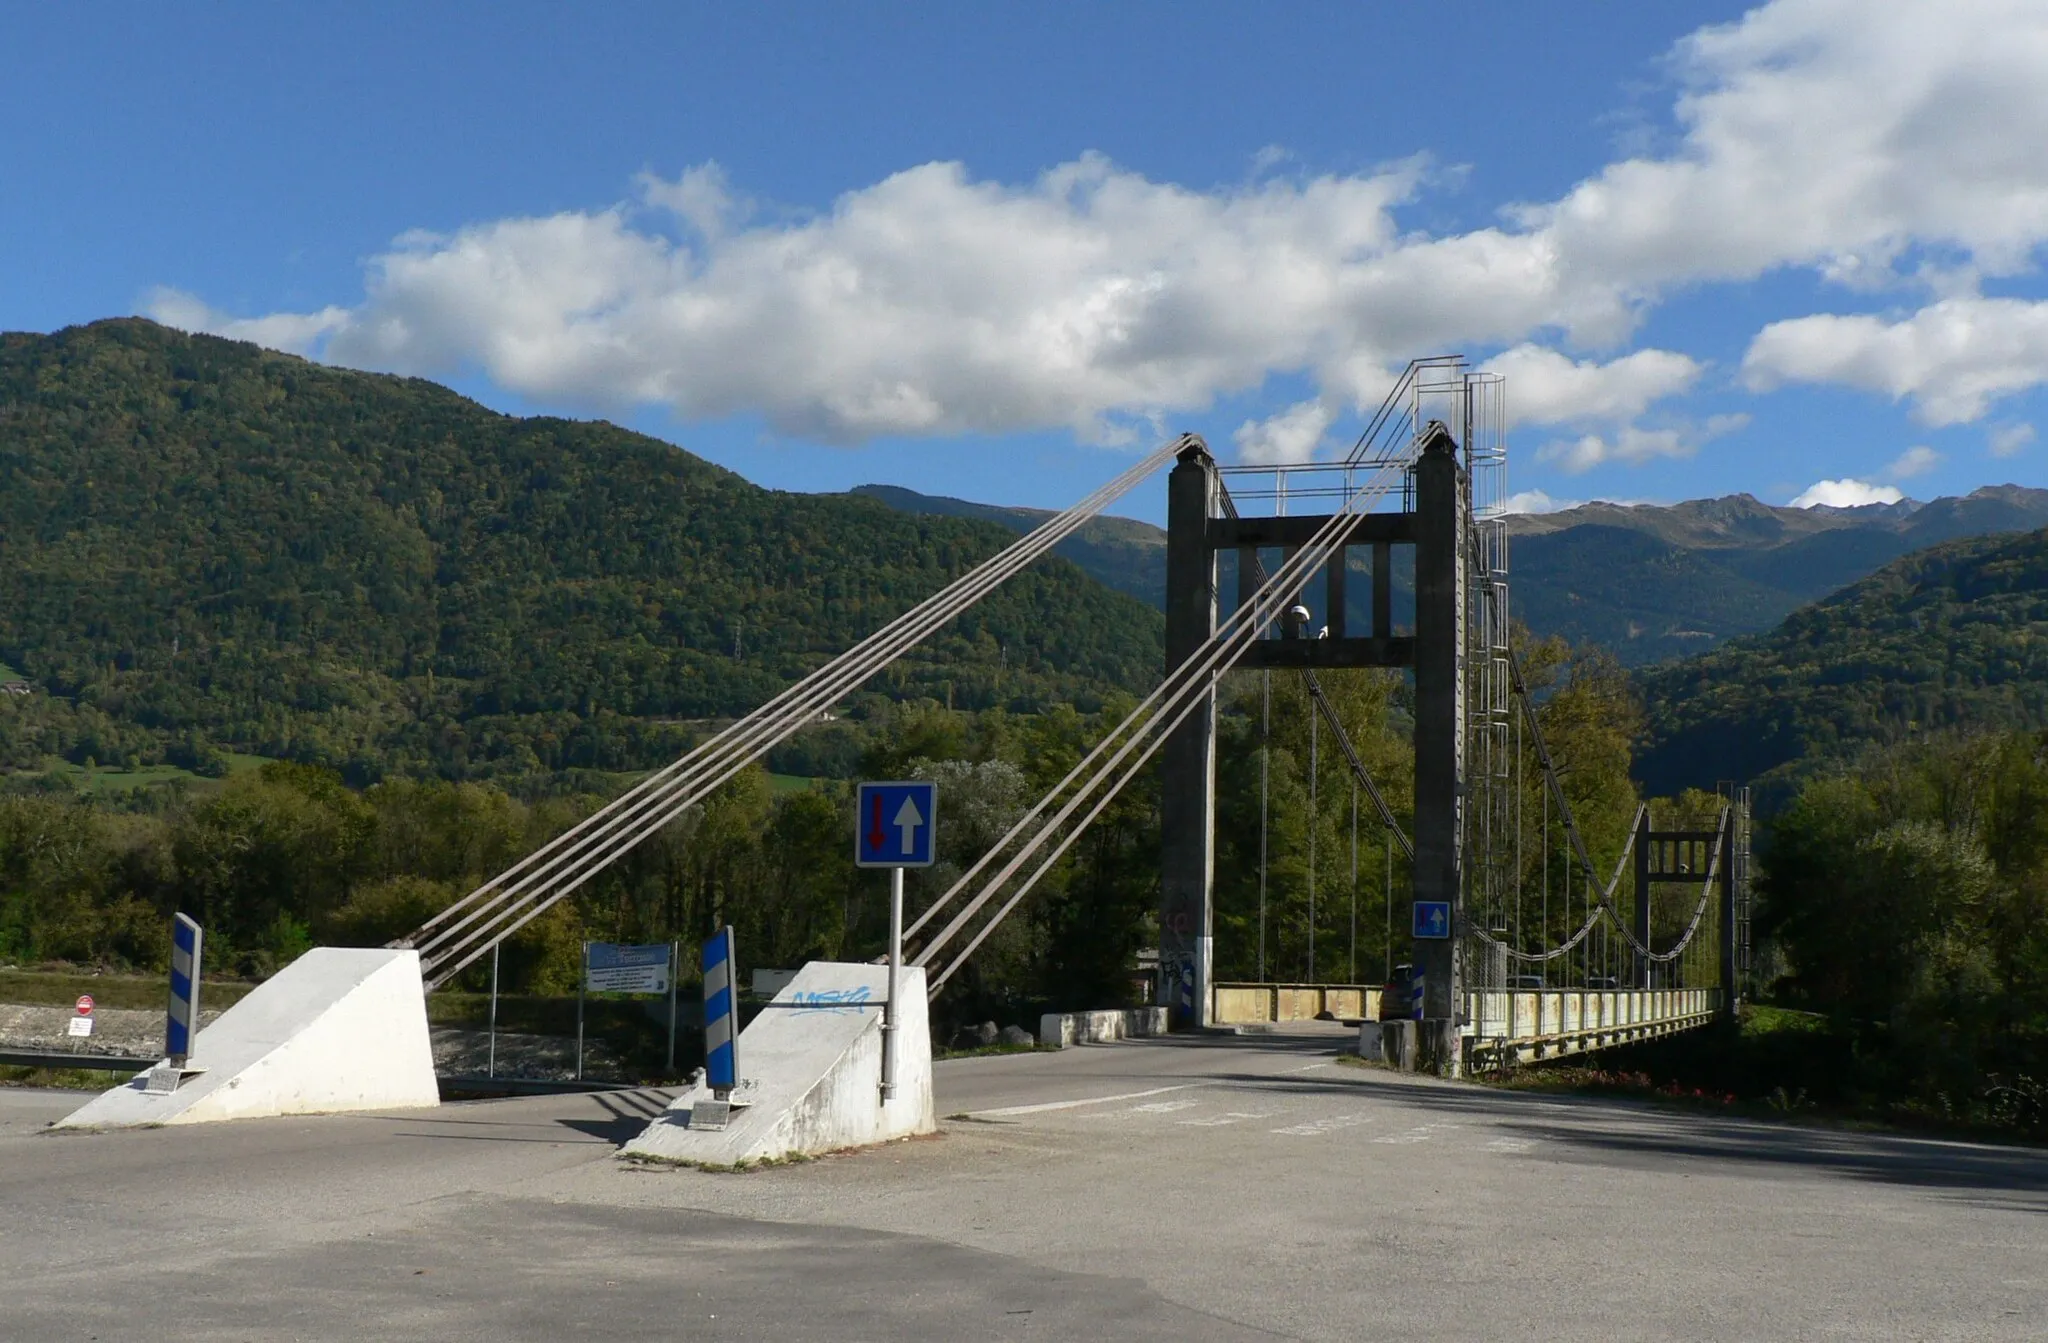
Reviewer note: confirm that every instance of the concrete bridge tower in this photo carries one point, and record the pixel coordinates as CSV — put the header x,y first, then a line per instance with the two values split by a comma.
x,y
1439,529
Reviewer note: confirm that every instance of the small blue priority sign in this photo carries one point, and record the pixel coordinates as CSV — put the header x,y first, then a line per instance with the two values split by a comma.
x,y
1432,918
895,824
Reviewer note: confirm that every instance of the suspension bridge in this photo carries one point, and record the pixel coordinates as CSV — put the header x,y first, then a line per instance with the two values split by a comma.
x,y
1521,948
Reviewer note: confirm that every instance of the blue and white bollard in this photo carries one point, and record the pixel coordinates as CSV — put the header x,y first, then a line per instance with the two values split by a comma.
x,y
1415,997
721,1057
186,943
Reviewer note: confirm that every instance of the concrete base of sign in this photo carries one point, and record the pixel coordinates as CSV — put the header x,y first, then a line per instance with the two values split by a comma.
x,y
1399,1043
338,1029
810,1068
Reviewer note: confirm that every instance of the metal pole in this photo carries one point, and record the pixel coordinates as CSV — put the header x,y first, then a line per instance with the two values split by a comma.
x,y
491,1069
1354,881
1265,759
1314,819
895,962
582,974
675,970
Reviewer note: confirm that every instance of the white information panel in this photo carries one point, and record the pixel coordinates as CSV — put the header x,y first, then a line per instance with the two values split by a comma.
x,y
613,967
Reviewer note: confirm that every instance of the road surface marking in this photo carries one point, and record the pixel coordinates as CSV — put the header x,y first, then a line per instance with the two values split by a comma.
x,y
1044,1106
1329,1124
1421,1133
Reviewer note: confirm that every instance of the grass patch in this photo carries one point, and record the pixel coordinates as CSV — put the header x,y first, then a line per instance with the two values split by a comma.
x,y
63,1079
61,987
794,783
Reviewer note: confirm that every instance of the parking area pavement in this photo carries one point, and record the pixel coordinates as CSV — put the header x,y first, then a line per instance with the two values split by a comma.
x,y
1197,1189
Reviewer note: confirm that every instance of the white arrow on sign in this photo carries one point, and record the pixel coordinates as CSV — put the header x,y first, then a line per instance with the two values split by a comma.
x,y
908,819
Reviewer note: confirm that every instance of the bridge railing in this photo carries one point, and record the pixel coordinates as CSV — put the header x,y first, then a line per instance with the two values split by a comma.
x,y
1246,1004
1532,1024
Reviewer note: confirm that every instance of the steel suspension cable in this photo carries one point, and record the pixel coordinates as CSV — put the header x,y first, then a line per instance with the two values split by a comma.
x,y
711,764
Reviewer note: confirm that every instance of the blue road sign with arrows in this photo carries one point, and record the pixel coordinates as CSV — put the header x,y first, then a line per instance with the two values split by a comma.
x,y
895,824
1432,918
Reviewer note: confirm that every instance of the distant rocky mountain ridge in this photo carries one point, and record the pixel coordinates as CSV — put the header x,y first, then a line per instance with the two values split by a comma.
x,y
1654,583
1650,582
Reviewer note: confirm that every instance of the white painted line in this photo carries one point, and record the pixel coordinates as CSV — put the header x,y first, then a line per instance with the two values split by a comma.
x,y
1422,1133
1163,1107
1227,1118
1315,1128
1045,1106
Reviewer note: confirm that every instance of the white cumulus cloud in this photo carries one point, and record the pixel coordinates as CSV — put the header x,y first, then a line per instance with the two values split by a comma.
x,y
1548,387
2008,440
1536,501
1914,461
1952,359
1846,493
1635,444
1834,135
1284,439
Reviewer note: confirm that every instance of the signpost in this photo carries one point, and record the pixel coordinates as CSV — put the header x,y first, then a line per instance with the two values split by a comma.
x,y
81,1023
895,826
616,967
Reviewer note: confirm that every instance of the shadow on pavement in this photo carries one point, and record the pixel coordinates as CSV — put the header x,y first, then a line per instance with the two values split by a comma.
x,y
1605,1129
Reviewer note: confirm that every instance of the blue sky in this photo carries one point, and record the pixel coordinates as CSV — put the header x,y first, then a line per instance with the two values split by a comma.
x,y
992,250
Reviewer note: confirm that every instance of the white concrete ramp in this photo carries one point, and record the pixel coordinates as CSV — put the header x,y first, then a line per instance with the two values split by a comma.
x,y
813,1058
339,1029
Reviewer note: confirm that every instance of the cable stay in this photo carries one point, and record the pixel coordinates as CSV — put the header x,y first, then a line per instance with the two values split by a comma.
x,y
466,930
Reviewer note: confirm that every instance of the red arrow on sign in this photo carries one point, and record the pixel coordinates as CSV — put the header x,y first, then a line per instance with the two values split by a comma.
x,y
875,835
85,1004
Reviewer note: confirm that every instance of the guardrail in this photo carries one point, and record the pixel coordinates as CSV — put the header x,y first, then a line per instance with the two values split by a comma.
x,y
64,1058
1248,1004
1531,1024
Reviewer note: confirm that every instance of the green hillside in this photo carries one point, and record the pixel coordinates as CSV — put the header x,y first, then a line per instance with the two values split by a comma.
x,y
1123,553
1955,635
208,547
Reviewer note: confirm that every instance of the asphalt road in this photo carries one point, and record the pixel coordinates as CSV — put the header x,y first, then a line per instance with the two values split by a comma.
x,y
1185,1189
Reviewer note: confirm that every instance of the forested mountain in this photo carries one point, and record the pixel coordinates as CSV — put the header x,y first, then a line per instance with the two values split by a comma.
x,y
1649,583
1124,553
205,545
1654,583
1952,636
